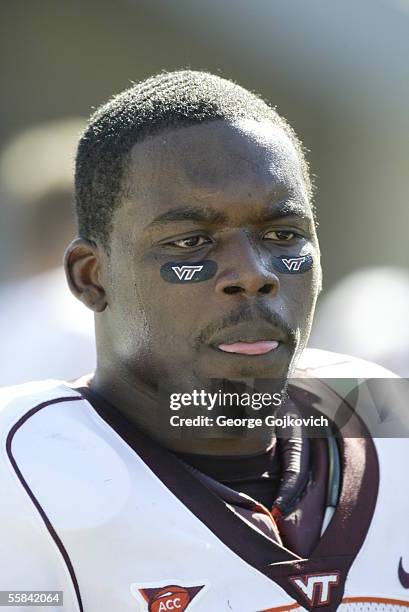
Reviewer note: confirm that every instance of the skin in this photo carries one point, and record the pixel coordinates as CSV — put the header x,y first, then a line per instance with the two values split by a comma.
x,y
231,193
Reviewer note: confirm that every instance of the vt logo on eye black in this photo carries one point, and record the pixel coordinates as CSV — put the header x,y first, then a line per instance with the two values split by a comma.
x,y
293,265
185,272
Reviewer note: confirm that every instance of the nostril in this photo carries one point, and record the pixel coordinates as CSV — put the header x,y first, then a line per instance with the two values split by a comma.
x,y
233,289
266,288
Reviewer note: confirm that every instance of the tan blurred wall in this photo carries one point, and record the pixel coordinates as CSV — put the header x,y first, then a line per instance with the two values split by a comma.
x,y
338,71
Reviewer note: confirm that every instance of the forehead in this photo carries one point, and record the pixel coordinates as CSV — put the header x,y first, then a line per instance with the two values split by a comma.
x,y
218,164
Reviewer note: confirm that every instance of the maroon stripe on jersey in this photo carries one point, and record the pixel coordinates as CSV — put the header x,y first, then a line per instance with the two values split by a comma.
x,y
360,484
30,493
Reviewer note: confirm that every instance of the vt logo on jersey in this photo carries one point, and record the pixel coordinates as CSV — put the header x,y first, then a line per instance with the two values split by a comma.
x,y
174,272
169,598
316,588
293,265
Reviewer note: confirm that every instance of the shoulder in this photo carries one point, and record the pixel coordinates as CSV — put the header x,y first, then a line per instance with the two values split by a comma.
x,y
20,519
375,394
50,429
19,400
29,412
326,364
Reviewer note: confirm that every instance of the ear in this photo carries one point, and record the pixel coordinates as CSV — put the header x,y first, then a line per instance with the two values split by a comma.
x,y
82,269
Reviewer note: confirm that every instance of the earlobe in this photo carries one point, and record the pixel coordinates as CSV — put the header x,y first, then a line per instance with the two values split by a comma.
x,y
82,269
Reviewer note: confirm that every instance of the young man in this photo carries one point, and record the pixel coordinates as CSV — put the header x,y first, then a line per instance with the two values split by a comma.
x,y
198,254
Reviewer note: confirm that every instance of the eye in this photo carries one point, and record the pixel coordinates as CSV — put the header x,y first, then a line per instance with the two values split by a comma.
x,y
280,235
190,242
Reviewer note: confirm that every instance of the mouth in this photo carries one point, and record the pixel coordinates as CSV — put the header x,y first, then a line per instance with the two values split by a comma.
x,y
260,347
249,340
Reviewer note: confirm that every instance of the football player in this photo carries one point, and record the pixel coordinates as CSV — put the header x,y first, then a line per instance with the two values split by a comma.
x,y
197,251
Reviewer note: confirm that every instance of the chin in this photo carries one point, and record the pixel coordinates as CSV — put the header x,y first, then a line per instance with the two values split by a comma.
x,y
236,367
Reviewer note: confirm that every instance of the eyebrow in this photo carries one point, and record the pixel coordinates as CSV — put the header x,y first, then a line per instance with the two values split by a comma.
x,y
280,210
190,213
209,215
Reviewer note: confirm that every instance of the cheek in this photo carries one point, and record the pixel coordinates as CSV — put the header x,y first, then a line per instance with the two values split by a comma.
x,y
299,293
174,310
168,310
127,314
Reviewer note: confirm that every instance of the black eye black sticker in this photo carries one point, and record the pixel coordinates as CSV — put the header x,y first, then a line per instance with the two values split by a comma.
x,y
293,265
184,272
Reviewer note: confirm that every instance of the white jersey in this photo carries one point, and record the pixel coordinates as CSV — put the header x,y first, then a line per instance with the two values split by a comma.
x,y
118,524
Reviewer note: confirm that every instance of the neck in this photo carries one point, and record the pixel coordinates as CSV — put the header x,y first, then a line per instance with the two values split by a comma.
x,y
141,404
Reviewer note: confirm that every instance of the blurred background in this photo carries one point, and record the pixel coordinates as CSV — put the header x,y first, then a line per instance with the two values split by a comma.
x,y
339,72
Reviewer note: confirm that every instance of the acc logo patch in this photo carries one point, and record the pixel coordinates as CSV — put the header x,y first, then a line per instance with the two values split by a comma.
x,y
293,265
169,598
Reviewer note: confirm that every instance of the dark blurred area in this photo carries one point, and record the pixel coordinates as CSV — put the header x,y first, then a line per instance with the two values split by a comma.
x,y
339,72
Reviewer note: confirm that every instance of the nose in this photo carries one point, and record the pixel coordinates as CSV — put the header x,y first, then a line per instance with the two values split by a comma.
x,y
243,270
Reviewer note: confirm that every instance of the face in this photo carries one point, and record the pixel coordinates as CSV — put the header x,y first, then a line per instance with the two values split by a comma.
x,y
232,195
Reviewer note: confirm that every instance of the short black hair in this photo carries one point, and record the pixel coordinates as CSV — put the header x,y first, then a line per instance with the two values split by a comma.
x,y
180,98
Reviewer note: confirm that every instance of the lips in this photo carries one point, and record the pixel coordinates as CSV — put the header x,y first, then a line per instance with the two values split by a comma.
x,y
253,339
261,347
